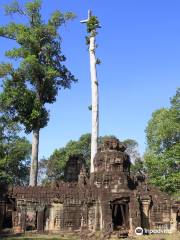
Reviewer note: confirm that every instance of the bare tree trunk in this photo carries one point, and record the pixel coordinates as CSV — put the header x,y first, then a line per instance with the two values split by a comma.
x,y
34,161
95,101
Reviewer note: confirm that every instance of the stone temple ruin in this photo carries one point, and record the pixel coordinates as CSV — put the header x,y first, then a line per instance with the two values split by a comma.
x,y
110,200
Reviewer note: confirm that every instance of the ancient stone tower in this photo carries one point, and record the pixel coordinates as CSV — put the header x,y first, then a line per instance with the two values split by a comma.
x,y
110,200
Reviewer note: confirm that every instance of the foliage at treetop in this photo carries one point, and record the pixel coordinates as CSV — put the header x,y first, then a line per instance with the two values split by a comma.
x,y
175,101
162,158
40,72
14,154
92,24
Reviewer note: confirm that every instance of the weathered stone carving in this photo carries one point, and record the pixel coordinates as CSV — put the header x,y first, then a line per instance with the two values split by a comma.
x,y
110,200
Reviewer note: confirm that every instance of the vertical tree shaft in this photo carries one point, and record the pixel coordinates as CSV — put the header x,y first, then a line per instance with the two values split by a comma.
x,y
95,101
34,161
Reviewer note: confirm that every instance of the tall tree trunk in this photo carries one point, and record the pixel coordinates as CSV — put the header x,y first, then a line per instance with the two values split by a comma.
x,y
34,160
95,101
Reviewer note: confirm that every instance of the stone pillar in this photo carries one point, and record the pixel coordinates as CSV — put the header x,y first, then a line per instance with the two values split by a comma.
x,y
54,216
101,216
23,220
40,221
91,217
51,218
134,216
131,232
173,222
145,212
107,225
97,217
16,221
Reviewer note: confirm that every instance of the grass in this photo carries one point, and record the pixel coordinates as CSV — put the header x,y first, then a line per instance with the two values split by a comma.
x,y
175,236
41,237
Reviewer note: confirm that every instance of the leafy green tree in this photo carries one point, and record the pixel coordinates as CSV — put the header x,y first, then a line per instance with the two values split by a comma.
x,y
175,101
132,149
34,81
137,166
55,165
162,157
14,154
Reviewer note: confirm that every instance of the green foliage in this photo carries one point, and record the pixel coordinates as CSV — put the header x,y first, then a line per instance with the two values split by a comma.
x,y
14,154
90,107
175,103
98,61
163,130
130,143
137,166
87,40
55,165
132,149
92,24
162,157
14,7
40,73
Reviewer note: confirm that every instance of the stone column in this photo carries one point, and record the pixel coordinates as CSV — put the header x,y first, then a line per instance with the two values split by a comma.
x,y
54,216
40,221
91,217
134,216
23,220
145,212
97,217
107,225
16,221
173,222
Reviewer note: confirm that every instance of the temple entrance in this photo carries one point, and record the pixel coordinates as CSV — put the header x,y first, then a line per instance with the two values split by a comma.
x,y
7,218
120,214
31,221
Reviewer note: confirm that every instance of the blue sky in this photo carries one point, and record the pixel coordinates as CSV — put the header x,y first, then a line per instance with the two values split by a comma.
x,y
139,46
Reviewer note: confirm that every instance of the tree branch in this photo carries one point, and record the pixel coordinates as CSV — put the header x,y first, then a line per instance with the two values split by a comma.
x,y
11,38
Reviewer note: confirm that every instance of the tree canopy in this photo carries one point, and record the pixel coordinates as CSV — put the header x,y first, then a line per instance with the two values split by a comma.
x,y
39,73
54,166
162,158
14,154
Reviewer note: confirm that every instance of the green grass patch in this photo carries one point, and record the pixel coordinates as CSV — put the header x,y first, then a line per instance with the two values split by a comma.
x,y
175,236
41,237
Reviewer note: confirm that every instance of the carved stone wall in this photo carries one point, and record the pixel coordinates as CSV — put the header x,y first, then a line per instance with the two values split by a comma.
x,y
110,200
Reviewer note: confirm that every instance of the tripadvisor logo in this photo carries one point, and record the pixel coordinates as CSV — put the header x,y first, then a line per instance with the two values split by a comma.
x,y
139,231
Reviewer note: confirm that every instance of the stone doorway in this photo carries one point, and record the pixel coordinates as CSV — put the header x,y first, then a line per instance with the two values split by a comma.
x,y
30,220
120,215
